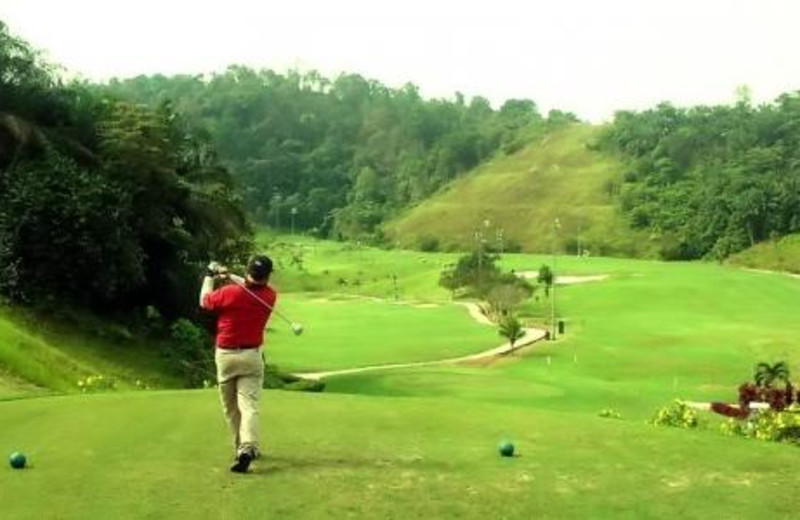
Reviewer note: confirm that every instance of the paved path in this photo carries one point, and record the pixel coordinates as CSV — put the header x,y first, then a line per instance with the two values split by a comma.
x,y
531,336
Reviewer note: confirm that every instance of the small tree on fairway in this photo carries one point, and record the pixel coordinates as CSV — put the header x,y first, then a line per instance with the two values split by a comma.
x,y
546,277
512,330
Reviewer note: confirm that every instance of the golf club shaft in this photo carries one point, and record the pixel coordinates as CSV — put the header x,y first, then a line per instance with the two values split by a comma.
x,y
259,299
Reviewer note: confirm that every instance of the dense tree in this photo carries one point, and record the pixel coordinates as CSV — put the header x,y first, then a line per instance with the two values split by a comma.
x,y
345,153
710,181
104,203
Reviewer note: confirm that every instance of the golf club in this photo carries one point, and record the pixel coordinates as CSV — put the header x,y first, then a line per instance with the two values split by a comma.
x,y
297,329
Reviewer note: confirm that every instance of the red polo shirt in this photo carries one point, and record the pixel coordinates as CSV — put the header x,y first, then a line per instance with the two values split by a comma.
x,y
241,318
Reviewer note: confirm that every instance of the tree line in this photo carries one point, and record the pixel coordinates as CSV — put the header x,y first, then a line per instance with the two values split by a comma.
x,y
709,181
104,203
339,156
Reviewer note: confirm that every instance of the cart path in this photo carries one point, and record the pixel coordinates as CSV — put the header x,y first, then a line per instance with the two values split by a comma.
x,y
531,336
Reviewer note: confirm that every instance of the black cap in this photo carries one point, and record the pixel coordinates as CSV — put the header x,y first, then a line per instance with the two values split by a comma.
x,y
259,268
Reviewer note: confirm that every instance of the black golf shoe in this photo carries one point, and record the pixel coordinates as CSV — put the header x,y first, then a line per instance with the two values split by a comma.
x,y
243,461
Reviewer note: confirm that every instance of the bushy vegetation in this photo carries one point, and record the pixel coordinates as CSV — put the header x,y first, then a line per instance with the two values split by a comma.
x,y
768,425
709,181
276,379
104,203
676,414
477,274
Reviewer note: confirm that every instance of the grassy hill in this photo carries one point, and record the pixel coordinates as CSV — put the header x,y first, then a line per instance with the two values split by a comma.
x,y
775,255
521,195
39,356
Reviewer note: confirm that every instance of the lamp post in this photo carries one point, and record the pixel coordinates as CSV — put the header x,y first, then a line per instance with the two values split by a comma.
x,y
480,242
500,239
294,212
276,200
556,227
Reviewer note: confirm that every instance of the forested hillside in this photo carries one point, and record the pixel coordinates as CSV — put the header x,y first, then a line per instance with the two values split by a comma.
x,y
711,180
103,203
339,156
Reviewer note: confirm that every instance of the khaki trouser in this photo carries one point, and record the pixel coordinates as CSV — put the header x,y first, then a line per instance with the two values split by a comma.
x,y
240,375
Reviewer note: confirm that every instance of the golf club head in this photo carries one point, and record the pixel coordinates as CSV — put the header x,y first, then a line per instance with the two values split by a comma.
x,y
297,329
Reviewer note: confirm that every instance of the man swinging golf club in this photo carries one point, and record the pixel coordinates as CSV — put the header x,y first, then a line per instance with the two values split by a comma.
x,y
242,309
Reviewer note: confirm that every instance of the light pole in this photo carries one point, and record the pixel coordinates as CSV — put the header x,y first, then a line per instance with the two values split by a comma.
x,y
276,199
500,239
556,226
478,245
294,212
480,240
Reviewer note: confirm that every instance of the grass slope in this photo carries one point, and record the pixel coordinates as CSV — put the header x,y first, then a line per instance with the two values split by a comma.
x,y
775,255
522,194
38,356
164,455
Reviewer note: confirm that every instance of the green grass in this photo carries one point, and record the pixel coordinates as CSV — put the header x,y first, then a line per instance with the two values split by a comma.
x,y
40,355
164,455
522,194
351,332
775,255
420,443
649,333
344,268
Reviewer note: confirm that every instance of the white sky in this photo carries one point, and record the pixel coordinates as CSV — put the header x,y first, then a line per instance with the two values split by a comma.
x,y
590,57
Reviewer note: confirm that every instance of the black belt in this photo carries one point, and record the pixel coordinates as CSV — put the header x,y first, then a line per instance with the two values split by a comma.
x,y
238,347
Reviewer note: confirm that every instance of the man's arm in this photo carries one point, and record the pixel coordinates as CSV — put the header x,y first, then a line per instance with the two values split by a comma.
x,y
213,271
206,289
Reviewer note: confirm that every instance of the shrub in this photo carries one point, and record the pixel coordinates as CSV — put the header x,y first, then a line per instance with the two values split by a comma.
x,y
769,425
306,385
274,379
190,354
428,244
512,246
609,413
677,414
778,398
96,383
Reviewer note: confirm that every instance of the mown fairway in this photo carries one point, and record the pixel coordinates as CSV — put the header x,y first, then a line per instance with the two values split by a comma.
x,y
421,443
352,332
162,455
649,333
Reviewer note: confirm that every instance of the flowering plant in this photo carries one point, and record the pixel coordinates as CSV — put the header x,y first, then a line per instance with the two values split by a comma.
x,y
676,414
769,425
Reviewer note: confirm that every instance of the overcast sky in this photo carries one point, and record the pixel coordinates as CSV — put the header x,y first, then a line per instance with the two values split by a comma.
x,y
591,57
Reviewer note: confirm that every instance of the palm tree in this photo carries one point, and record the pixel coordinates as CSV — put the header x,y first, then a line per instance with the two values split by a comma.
x,y
767,374
512,330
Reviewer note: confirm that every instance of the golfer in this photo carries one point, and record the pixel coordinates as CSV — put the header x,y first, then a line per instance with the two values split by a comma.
x,y
241,318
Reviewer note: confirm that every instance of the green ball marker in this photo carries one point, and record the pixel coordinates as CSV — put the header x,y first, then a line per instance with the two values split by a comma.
x,y
17,460
506,449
